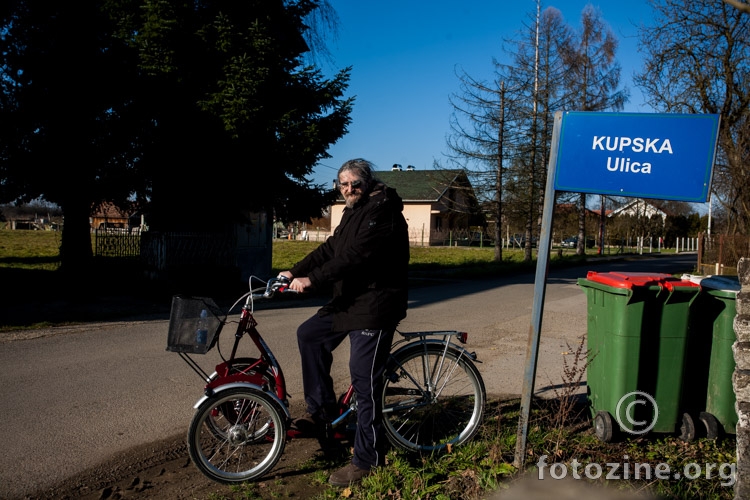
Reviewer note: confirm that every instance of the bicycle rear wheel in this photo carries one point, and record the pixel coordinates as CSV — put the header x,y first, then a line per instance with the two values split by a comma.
x,y
236,435
431,399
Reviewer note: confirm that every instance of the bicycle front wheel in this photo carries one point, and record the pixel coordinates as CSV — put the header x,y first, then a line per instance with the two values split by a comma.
x,y
432,398
236,435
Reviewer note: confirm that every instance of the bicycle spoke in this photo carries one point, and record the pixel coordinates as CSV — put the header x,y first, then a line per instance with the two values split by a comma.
x,y
236,436
447,410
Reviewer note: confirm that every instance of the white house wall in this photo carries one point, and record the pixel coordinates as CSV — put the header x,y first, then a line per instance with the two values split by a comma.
x,y
418,219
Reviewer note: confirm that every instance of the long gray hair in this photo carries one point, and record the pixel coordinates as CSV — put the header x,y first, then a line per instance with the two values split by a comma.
x,y
361,167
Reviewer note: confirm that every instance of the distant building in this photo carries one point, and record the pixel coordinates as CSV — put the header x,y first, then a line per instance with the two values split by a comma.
x,y
638,208
108,216
436,202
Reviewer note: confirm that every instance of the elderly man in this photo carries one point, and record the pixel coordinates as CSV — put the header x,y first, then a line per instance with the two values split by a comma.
x,y
366,262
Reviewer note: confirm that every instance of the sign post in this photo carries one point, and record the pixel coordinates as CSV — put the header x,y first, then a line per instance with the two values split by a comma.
x,y
659,156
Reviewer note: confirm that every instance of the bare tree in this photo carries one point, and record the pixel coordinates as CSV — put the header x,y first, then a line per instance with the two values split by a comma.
x,y
592,81
554,34
506,126
482,115
697,61
536,72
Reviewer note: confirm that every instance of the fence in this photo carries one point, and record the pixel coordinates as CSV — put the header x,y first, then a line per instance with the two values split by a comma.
x,y
452,237
719,254
117,242
162,250
307,235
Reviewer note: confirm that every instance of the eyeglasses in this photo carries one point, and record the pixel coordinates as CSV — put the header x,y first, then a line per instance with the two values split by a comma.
x,y
353,184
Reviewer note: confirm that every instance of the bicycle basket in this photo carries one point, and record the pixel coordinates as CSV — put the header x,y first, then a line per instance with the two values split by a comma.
x,y
184,324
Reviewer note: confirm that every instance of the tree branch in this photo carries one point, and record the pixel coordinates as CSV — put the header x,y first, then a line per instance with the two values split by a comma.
x,y
739,5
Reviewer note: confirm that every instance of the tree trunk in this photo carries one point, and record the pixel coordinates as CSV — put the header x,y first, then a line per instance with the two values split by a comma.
x,y
581,246
75,249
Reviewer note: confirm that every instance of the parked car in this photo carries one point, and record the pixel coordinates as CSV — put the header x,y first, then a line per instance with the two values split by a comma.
x,y
572,242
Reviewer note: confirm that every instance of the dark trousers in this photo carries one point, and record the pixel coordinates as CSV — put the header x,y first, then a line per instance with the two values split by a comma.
x,y
368,355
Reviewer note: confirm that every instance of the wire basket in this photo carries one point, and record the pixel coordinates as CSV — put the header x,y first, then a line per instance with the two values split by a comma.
x,y
194,324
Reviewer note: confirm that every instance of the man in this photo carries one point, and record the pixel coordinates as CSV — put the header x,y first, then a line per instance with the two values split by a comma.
x,y
366,262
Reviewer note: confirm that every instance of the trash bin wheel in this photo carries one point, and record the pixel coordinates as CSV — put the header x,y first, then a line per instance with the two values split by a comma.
x,y
711,424
603,427
687,429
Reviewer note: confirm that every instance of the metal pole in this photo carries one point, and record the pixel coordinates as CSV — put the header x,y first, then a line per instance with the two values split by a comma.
x,y
540,285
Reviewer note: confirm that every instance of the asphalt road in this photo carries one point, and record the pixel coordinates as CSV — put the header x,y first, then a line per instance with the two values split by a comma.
x,y
74,396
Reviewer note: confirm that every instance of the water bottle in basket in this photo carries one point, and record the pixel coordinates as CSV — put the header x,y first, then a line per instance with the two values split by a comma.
x,y
201,333
193,324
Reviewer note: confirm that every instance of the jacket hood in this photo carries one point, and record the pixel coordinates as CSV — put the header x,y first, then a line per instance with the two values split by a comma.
x,y
389,195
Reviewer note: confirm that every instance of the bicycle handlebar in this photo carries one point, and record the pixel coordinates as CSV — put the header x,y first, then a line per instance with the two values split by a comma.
x,y
279,284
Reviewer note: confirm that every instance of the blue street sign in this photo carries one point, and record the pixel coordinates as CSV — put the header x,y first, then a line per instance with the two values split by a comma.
x,y
639,155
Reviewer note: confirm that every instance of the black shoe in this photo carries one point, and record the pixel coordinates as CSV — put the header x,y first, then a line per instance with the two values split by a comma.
x,y
309,424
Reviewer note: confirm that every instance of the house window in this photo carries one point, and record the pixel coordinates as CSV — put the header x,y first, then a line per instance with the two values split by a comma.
x,y
438,223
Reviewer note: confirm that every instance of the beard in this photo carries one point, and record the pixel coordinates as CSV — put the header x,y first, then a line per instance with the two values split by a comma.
x,y
352,199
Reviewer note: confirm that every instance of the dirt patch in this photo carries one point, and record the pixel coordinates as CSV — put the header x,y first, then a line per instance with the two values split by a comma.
x,y
164,470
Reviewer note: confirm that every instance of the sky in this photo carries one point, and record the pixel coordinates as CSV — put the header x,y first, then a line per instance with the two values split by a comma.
x,y
405,56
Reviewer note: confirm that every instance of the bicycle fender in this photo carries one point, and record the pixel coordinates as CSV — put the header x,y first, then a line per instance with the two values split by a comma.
x,y
246,385
451,347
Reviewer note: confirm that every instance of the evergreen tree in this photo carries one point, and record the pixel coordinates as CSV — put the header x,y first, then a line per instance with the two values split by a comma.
x,y
231,99
204,109
63,94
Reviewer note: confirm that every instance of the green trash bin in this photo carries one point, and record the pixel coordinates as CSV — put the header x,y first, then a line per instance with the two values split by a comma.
x,y
708,386
637,328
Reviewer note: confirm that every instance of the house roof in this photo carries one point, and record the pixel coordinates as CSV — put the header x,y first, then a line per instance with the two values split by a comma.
x,y
109,210
422,185
639,204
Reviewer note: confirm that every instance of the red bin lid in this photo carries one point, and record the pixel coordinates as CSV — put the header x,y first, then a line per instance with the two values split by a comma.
x,y
635,279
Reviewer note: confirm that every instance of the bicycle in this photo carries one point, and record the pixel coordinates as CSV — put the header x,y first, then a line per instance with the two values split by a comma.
x,y
433,396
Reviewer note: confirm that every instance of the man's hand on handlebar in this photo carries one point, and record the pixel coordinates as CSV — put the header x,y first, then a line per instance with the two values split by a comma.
x,y
296,284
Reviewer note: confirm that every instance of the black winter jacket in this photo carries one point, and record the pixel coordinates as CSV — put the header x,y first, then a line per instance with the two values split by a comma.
x,y
366,260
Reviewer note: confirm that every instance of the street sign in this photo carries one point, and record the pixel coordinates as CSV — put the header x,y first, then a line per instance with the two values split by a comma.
x,y
639,155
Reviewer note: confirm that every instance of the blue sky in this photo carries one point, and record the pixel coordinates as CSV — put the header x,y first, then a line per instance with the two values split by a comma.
x,y
404,57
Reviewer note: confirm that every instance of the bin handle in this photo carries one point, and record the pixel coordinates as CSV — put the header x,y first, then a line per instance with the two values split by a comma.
x,y
679,286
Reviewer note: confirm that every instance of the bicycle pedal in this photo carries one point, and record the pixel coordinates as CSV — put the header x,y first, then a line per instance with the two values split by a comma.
x,y
292,433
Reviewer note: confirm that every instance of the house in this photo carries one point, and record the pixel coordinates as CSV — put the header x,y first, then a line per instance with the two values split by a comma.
x,y
639,208
436,203
108,216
